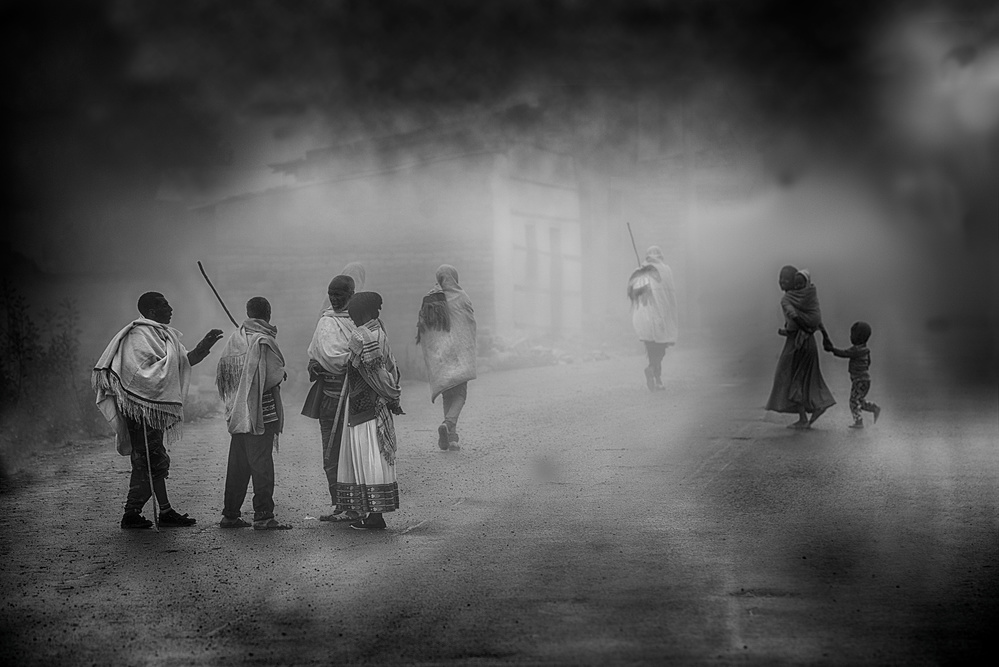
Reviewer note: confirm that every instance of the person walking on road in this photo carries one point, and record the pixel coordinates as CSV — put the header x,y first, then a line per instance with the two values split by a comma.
x,y
654,312
328,355
445,331
248,378
366,479
141,381
860,376
798,385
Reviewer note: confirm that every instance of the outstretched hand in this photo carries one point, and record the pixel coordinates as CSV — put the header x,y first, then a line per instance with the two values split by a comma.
x,y
212,337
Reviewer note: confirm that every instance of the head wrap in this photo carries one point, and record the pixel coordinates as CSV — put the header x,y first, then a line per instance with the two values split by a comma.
x,y
364,306
445,273
804,275
654,254
356,271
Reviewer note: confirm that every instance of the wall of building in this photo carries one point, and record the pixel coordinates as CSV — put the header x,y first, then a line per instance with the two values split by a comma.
x,y
401,225
538,239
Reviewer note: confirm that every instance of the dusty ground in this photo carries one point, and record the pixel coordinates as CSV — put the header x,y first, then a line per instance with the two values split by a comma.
x,y
586,521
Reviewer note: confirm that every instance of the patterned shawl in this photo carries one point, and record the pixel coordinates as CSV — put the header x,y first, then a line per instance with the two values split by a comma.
x,y
251,364
371,356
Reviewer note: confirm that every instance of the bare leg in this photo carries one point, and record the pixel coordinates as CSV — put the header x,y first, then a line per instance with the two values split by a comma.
x,y
802,421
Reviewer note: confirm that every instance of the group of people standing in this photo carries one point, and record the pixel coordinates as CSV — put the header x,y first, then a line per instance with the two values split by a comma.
x,y
142,379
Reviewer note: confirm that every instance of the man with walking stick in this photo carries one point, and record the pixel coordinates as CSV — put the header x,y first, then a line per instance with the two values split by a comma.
x,y
141,381
653,310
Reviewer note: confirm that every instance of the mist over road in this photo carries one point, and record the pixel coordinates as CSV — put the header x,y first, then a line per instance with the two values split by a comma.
x,y
585,521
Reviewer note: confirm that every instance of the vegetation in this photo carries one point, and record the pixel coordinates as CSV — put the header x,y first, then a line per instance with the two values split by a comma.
x,y
45,395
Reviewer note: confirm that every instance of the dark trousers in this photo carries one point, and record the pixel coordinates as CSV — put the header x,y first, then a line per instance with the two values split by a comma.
x,y
331,460
250,457
656,352
139,490
454,401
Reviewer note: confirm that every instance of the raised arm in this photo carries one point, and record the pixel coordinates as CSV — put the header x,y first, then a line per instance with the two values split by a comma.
x,y
201,350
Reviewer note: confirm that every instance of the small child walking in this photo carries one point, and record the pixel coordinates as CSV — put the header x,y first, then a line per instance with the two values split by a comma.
x,y
860,377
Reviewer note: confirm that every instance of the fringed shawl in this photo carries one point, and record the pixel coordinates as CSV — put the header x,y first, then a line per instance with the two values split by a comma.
x,y
448,341
143,375
251,364
653,300
371,356
434,314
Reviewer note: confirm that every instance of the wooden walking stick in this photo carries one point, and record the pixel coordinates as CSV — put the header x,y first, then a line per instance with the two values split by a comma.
x,y
152,485
633,246
208,280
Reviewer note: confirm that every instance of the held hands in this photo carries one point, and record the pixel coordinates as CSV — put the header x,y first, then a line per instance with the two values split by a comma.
x,y
827,345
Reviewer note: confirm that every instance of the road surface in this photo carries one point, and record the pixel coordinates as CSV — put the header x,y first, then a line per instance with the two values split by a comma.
x,y
586,521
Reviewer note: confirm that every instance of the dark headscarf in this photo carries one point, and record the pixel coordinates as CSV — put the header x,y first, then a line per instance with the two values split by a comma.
x,y
364,306
787,274
340,291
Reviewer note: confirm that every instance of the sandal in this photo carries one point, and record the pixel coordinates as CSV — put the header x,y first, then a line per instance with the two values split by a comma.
x,y
340,517
270,524
233,523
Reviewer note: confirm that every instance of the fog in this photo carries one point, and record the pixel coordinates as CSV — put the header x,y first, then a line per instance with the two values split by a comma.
x,y
862,144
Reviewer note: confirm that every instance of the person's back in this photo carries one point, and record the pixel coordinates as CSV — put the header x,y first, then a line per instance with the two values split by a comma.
x,y
248,377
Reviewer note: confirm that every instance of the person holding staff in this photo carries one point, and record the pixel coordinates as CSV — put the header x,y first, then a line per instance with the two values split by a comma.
x,y
141,381
654,312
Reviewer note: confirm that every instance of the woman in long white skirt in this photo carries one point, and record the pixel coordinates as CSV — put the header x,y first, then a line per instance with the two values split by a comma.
x,y
366,480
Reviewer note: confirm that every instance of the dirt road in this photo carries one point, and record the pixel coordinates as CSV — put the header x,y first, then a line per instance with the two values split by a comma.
x,y
585,521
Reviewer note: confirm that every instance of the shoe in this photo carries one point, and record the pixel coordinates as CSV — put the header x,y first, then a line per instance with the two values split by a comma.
x,y
340,516
659,385
369,524
442,436
171,519
270,524
649,382
857,424
226,522
877,413
134,520
453,437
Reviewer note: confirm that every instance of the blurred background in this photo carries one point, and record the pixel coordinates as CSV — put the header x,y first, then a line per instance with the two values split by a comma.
x,y
515,140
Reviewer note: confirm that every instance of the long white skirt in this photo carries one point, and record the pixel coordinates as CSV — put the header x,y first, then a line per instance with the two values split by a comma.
x,y
365,481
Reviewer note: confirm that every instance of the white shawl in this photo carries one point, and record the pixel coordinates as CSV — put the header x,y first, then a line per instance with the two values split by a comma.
x,y
143,374
653,300
449,355
330,342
